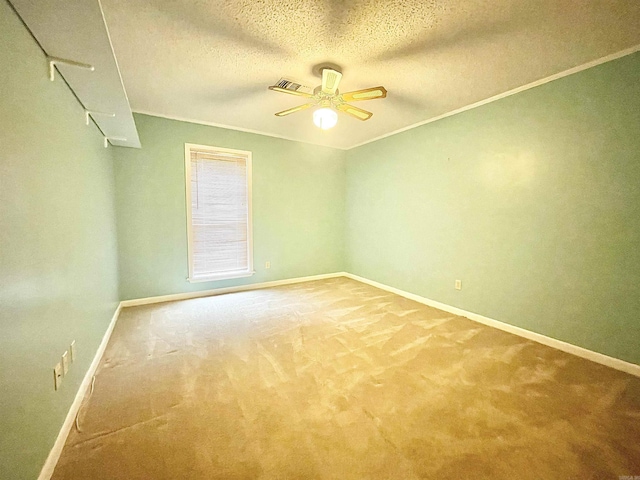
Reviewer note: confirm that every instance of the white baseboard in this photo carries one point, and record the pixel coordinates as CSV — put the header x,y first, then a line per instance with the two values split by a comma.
x,y
218,291
600,358
54,454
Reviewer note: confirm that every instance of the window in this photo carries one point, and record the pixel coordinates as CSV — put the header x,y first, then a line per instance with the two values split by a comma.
x,y
218,213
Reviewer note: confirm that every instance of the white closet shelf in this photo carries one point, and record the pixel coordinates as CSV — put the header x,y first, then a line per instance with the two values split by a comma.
x,y
76,31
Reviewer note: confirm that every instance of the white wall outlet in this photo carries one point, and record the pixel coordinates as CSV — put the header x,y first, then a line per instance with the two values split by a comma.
x,y
458,285
72,352
267,264
65,362
57,376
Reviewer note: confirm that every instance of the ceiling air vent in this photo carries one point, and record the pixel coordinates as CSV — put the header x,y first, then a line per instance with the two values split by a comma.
x,y
292,86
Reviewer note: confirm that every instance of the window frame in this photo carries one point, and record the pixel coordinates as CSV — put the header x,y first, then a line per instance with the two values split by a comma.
x,y
188,147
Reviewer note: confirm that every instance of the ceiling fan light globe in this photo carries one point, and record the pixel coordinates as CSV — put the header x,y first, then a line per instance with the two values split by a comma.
x,y
325,118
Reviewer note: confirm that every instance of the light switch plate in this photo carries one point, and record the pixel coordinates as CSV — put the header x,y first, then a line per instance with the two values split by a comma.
x,y
72,352
458,285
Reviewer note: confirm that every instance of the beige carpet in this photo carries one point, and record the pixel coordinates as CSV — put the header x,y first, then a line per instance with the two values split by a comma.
x,y
335,379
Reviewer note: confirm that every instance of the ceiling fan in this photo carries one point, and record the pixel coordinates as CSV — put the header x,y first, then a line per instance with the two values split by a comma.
x,y
329,98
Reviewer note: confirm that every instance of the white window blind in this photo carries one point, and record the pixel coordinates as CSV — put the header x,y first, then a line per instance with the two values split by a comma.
x,y
219,196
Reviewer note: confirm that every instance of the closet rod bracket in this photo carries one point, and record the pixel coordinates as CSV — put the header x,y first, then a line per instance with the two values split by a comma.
x,y
93,113
53,61
117,139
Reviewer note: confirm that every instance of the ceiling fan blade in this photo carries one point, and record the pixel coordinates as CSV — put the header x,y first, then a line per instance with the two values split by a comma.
x,y
366,94
330,80
356,112
290,92
294,109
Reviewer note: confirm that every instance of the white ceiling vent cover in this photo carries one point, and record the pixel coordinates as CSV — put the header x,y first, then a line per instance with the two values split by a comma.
x,y
293,86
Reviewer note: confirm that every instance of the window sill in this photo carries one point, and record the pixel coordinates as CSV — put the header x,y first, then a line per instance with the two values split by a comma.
x,y
221,276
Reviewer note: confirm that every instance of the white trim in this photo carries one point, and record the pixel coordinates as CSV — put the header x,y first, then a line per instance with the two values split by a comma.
x,y
537,83
115,60
219,291
56,450
231,127
542,81
187,178
600,358
222,276
54,455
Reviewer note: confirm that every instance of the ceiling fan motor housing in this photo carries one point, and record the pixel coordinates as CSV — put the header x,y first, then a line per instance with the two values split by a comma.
x,y
317,69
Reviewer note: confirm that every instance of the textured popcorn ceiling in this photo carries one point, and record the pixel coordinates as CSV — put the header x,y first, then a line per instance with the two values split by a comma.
x,y
211,61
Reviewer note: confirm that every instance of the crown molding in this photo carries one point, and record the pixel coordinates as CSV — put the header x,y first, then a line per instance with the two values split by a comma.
x,y
508,93
231,127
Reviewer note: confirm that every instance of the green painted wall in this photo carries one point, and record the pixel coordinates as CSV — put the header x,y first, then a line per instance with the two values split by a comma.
x,y
298,207
533,201
58,252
